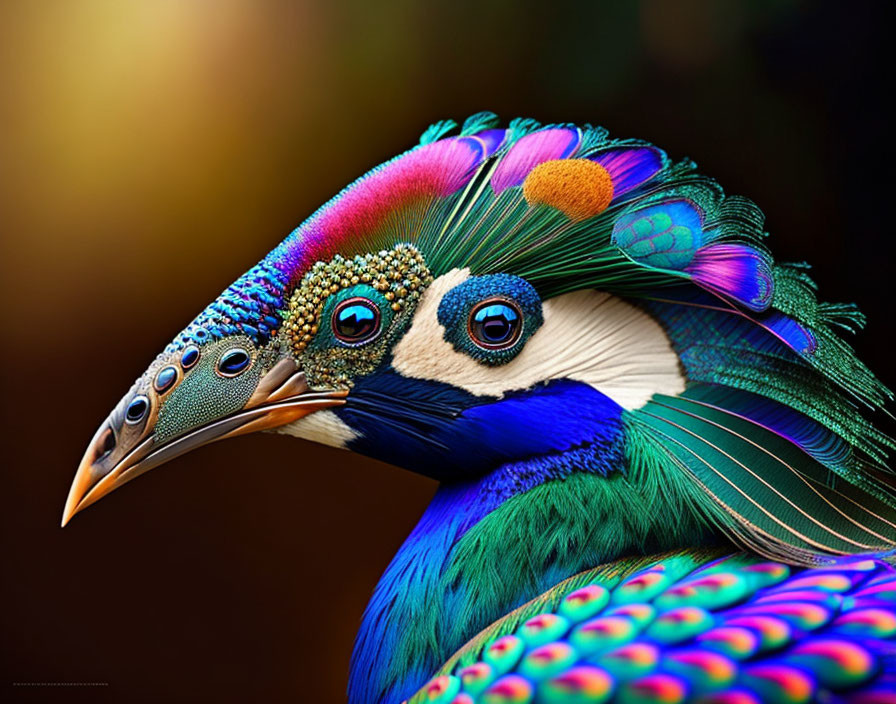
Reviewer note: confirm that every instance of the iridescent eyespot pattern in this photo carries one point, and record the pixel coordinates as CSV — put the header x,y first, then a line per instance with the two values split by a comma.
x,y
490,317
345,314
495,324
165,379
189,357
356,321
234,362
136,410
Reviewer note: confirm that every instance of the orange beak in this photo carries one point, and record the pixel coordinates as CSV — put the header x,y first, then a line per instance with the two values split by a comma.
x,y
120,452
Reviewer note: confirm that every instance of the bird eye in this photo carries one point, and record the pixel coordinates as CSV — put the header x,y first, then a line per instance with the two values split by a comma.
x,y
233,362
495,324
356,321
136,410
189,357
165,378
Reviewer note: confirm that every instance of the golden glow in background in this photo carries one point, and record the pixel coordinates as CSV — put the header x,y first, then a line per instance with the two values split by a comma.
x,y
153,150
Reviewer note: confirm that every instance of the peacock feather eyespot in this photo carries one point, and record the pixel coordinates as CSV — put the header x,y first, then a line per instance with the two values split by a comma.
x,y
189,357
490,317
233,362
356,321
165,379
136,410
495,324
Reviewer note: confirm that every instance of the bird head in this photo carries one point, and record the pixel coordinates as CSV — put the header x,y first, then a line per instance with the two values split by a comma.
x,y
496,296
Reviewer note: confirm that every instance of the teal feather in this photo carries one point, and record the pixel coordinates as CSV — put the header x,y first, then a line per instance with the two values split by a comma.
x,y
437,131
479,122
665,235
833,357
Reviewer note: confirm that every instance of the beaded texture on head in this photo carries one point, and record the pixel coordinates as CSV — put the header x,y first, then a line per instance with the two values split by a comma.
x,y
397,277
458,303
250,306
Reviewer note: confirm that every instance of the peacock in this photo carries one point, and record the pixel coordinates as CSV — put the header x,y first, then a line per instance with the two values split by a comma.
x,y
659,479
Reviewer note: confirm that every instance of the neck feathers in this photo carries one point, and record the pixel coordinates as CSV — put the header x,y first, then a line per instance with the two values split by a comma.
x,y
483,548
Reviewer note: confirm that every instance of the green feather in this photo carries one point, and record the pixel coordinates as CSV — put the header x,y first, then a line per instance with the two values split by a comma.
x,y
777,499
545,535
711,464
437,130
834,358
479,122
754,481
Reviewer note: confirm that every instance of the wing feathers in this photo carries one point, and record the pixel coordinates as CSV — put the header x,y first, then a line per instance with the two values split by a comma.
x,y
770,477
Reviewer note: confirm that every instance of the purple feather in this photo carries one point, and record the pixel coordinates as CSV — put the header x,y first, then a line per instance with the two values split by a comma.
x,y
532,150
791,333
629,168
735,271
492,139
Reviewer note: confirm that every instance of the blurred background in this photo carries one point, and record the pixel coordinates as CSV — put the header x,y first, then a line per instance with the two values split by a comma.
x,y
152,151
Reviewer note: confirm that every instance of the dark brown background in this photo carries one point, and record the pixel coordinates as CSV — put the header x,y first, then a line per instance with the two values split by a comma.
x,y
152,151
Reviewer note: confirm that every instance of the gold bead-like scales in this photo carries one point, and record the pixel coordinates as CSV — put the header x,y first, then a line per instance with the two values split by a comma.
x,y
399,274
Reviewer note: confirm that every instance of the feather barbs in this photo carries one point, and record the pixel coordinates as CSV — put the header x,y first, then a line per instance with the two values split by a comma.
x,y
410,182
672,235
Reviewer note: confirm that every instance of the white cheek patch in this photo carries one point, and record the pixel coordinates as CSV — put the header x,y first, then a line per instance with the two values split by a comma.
x,y
587,336
324,427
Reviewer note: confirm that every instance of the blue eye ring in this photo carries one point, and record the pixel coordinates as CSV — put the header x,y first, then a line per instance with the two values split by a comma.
x,y
356,321
233,362
165,379
136,410
495,323
189,357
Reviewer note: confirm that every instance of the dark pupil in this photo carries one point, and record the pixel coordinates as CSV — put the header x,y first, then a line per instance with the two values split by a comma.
x,y
234,362
355,322
495,323
137,409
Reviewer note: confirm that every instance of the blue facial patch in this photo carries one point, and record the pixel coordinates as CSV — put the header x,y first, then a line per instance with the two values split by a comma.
x,y
490,318
447,433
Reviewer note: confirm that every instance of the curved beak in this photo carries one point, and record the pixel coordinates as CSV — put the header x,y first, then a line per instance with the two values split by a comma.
x,y
119,452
